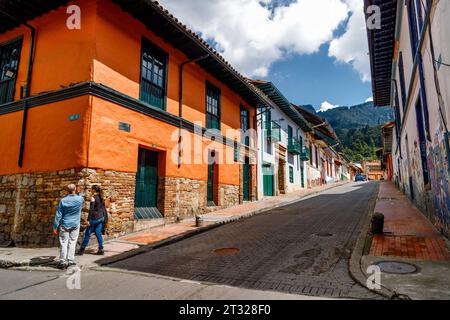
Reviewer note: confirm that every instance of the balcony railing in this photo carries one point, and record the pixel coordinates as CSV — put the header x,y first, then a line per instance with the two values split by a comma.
x,y
305,155
294,146
273,131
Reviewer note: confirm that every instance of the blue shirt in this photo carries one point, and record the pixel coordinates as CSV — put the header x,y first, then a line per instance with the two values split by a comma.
x,y
69,212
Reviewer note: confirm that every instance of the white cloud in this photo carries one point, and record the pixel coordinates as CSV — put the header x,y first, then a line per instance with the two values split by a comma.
x,y
352,46
253,34
327,106
369,99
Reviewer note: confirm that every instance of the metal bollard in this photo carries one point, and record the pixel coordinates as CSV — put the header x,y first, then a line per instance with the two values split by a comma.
x,y
377,224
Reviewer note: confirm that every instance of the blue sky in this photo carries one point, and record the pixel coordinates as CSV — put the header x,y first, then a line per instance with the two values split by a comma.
x,y
314,51
313,79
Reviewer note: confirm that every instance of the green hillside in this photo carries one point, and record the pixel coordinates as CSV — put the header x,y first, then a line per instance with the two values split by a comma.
x,y
358,127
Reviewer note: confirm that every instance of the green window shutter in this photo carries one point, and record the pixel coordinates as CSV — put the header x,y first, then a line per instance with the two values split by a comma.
x,y
153,88
236,152
213,107
290,135
291,175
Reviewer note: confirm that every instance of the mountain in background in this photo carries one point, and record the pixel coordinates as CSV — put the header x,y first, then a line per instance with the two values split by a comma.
x,y
365,114
358,128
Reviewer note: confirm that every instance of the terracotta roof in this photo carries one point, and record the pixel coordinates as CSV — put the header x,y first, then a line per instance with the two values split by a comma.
x,y
272,92
320,125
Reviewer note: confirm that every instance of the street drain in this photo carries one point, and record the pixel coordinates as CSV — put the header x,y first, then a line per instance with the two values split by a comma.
x,y
323,235
226,251
395,267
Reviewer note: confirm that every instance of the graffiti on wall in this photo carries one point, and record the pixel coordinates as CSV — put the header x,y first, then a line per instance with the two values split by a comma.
x,y
438,164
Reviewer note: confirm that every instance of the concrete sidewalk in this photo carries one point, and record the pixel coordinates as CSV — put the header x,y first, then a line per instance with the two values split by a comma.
x,y
133,244
409,237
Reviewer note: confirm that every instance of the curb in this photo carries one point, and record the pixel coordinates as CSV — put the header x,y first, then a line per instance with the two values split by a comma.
x,y
189,234
355,266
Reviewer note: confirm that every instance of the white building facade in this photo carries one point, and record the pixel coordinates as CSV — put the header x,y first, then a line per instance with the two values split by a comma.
x,y
410,58
282,148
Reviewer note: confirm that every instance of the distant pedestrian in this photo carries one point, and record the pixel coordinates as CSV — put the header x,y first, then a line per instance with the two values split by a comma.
x,y
97,221
67,225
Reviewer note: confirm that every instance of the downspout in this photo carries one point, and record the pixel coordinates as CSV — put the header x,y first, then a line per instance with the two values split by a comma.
x,y
180,107
27,93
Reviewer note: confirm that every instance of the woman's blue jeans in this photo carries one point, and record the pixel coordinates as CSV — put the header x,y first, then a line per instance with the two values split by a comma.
x,y
96,226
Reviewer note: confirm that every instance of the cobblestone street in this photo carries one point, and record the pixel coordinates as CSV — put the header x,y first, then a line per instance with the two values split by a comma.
x,y
302,249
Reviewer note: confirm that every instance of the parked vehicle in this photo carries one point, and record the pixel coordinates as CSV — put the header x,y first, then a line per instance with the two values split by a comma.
x,y
360,178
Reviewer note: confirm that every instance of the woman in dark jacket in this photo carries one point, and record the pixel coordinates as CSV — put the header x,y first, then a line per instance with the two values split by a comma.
x,y
97,221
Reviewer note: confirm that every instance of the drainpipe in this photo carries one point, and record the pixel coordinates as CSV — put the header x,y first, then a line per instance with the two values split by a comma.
x,y
180,107
27,92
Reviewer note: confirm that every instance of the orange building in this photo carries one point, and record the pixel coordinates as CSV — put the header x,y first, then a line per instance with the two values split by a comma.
x,y
111,89
386,152
373,170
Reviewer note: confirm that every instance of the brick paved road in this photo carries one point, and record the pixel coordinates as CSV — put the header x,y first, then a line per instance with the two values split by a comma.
x,y
303,248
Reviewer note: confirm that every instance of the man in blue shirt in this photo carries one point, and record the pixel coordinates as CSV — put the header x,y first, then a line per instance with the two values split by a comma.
x,y
67,224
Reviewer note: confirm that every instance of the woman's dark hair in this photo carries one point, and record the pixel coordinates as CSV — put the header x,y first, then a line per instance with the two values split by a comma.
x,y
99,192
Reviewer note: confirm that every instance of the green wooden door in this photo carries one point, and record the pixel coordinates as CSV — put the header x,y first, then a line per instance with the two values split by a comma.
x,y
268,185
146,185
302,176
246,179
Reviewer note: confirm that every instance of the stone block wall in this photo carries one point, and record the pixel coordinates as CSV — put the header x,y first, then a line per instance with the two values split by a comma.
x,y
181,197
228,196
28,203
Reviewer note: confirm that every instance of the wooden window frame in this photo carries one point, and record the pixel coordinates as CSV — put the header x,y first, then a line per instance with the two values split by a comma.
x,y
149,47
209,115
19,42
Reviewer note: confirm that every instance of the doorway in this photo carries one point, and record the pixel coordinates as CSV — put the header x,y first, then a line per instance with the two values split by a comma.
x,y
146,196
268,180
246,179
212,181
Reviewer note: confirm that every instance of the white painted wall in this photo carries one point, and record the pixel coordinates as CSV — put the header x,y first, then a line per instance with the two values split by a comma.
x,y
408,163
266,158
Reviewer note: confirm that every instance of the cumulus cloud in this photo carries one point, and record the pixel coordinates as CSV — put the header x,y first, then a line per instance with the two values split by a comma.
x,y
253,34
352,47
369,99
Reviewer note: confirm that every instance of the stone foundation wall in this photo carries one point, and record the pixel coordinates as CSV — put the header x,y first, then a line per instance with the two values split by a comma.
x,y
180,197
228,196
28,203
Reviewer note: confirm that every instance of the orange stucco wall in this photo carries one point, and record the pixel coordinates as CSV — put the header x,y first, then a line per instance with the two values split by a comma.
x,y
57,49
106,50
52,141
113,149
120,69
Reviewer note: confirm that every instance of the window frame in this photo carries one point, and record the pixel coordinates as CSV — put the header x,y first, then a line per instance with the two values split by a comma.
x,y
413,27
246,142
155,51
401,69
290,135
211,87
291,175
19,42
